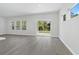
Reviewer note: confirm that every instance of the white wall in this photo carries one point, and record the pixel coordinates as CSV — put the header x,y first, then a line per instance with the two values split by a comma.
x,y
69,30
32,23
2,26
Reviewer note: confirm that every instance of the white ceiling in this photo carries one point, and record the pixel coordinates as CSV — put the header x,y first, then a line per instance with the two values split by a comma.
x,y
16,9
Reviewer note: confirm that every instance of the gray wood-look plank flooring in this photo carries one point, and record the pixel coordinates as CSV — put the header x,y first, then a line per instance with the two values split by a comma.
x,y
32,45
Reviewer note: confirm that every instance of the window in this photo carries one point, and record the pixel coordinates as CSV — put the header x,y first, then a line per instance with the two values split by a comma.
x,y
12,25
75,11
64,17
17,25
43,26
23,25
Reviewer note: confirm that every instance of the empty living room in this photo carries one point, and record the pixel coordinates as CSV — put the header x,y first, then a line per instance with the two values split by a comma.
x,y
39,28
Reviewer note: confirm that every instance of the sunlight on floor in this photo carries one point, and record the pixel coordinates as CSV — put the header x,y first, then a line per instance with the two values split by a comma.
x,y
44,34
2,38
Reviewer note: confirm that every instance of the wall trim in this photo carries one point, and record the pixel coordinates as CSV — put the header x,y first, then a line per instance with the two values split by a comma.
x,y
67,45
32,35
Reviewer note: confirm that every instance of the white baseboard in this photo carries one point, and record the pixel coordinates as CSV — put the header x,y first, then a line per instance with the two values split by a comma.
x,y
32,35
67,46
20,34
